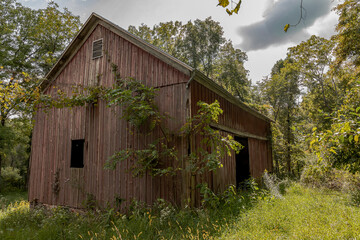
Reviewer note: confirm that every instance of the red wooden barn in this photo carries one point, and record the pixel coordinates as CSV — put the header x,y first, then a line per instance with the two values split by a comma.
x,y
58,177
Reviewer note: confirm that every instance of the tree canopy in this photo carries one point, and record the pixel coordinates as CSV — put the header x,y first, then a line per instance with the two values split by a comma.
x,y
201,44
324,97
31,42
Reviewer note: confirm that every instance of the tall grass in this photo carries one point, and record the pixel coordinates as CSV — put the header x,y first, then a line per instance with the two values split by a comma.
x,y
303,213
296,213
162,221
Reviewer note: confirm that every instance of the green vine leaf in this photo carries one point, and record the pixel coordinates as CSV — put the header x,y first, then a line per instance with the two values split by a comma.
x,y
286,27
223,3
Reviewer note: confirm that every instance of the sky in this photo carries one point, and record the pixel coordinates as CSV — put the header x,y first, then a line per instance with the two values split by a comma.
x,y
257,29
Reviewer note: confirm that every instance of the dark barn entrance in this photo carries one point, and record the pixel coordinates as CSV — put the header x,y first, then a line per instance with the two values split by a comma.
x,y
242,162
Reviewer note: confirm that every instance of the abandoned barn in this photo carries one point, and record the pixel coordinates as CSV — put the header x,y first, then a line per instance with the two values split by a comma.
x,y
71,145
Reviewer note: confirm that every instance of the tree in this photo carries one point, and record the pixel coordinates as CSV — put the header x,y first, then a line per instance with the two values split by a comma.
x,y
338,145
230,73
201,45
314,57
348,28
32,40
166,36
281,92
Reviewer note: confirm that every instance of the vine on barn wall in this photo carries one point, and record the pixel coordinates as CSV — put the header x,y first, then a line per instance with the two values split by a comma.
x,y
213,145
141,112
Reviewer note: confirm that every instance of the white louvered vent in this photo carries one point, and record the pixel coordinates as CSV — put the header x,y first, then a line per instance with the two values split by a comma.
x,y
97,48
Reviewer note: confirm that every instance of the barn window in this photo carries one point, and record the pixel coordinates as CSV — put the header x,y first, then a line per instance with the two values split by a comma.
x,y
97,48
77,153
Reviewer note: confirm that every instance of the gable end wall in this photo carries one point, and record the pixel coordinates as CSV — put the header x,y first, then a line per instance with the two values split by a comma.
x,y
103,130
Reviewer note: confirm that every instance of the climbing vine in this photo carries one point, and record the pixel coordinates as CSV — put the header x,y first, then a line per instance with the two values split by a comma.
x,y
213,145
139,109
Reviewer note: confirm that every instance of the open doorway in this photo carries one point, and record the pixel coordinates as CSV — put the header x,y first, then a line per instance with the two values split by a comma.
x,y
242,162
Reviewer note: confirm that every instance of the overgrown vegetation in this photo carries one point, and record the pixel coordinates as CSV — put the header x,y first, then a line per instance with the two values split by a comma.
x,y
202,45
138,104
284,210
303,213
162,221
31,42
313,95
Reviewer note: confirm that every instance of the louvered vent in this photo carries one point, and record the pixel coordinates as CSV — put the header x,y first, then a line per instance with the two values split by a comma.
x,y
97,48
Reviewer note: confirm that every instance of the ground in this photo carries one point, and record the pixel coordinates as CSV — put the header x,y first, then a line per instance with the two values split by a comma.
x,y
299,213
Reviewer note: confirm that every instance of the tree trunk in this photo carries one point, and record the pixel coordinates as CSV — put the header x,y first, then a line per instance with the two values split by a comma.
x,y
3,125
288,142
276,160
0,173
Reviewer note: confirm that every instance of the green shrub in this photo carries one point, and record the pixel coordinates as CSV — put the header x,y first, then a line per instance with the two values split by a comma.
x,y
321,174
11,178
276,186
315,174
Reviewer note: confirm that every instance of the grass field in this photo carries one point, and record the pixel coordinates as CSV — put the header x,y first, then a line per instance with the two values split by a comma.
x,y
302,213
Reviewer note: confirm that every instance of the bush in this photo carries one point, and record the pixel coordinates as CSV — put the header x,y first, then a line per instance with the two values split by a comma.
x,y
11,178
321,174
276,186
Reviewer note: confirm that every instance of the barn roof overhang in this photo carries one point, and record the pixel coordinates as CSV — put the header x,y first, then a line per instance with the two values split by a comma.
x,y
94,20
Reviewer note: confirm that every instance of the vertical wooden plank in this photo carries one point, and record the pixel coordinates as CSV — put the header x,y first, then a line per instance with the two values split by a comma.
x,y
103,141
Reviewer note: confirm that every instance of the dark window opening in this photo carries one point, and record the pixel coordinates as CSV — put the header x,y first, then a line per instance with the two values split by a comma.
x,y
242,163
77,153
97,49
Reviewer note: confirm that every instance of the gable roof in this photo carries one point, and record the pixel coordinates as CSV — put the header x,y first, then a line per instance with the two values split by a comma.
x,y
196,75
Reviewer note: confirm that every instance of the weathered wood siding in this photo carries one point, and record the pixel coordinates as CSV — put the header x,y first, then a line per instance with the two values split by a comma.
x,y
53,182
234,117
260,157
103,131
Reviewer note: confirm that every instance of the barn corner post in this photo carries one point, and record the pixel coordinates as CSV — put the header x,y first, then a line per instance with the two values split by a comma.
x,y
185,175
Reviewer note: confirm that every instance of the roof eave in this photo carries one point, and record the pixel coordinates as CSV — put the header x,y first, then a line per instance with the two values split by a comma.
x,y
196,75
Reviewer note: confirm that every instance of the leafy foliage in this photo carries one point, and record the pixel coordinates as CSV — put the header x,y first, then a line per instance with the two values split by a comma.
x,y
11,178
213,145
16,151
230,11
281,93
138,99
340,144
161,221
348,28
31,42
140,111
201,45
325,120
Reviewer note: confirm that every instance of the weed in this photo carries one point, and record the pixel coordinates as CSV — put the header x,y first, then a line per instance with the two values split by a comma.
x,y
302,213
